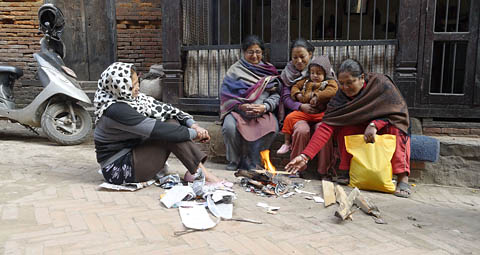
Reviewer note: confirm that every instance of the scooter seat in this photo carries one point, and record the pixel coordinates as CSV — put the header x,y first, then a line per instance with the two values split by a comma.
x,y
11,69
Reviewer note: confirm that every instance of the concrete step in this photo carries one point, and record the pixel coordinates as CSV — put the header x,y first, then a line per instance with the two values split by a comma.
x,y
458,164
88,85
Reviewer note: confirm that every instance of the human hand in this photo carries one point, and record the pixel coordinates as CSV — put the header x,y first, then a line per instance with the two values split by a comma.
x,y
247,109
370,133
244,107
299,97
202,134
296,164
307,108
258,109
323,84
314,101
310,95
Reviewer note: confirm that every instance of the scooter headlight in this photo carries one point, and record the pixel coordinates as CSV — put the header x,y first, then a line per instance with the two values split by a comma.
x,y
69,72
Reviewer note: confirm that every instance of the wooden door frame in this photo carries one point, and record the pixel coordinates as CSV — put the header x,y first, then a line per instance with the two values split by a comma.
x,y
424,65
81,38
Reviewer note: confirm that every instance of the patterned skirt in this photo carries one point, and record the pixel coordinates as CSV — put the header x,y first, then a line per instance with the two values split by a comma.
x,y
120,171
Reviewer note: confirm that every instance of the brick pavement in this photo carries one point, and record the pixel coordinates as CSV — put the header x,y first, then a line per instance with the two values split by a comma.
x,y
50,204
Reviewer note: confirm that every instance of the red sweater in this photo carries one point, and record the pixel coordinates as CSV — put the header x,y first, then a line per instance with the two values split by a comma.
x,y
323,134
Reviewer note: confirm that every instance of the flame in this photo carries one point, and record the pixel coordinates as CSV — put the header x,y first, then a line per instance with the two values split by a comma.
x,y
265,155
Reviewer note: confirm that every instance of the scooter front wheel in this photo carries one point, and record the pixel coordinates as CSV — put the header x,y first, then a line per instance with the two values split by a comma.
x,y
65,128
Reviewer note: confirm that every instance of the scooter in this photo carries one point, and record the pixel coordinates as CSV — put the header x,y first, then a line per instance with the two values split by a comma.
x,y
56,108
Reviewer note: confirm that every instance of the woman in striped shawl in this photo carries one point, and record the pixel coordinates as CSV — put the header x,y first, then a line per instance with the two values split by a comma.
x,y
249,95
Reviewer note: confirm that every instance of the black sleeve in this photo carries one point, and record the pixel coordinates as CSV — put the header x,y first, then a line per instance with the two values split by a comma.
x,y
131,121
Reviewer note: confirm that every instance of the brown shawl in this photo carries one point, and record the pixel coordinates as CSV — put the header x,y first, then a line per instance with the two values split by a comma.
x,y
380,99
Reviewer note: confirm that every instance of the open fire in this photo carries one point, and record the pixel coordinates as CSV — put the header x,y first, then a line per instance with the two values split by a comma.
x,y
267,164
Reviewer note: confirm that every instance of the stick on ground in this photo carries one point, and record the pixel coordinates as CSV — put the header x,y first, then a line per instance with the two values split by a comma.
x,y
328,193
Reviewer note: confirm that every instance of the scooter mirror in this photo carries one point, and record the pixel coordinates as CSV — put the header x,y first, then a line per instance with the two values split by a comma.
x,y
51,21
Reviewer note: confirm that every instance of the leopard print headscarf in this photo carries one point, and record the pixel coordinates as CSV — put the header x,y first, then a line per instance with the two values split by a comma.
x,y
115,85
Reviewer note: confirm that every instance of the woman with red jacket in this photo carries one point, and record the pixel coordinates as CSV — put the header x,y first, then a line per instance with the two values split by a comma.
x,y
369,104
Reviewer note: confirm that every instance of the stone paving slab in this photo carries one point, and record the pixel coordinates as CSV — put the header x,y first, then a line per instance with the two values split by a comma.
x,y
50,204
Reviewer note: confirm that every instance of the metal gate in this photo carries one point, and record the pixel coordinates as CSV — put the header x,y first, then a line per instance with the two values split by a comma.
x,y
365,30
450,52
212,31
212,35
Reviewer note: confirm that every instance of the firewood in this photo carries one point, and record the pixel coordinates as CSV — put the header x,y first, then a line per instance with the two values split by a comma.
x,y
328,193
366,206
345,208
253,175
257,184
276,172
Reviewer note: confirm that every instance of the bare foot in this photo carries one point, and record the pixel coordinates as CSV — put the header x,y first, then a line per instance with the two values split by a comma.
x,y
209,177
403,177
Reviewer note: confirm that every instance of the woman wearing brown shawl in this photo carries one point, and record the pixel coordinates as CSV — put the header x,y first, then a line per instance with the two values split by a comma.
x,y
366,104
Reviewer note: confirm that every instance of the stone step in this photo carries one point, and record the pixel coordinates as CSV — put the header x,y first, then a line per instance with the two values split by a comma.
x,y
88,85
457,128
458,164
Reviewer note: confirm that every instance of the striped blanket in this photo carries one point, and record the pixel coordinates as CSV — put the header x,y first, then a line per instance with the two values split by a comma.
x,y
244,83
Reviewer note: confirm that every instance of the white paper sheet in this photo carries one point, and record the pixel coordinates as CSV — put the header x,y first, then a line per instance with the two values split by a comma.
x,y
304,192
177,194
196,217
268,207
223,211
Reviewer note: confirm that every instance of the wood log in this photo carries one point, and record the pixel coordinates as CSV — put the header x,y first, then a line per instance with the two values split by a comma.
x,y
257,184
253,175
366,206
369,208
345,208
328,193
276,172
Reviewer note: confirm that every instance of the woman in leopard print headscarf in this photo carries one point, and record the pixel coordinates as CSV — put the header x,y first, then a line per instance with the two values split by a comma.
x,y
135,134
115,86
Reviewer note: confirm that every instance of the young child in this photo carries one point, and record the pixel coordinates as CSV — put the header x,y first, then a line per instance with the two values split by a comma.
x,y
315,90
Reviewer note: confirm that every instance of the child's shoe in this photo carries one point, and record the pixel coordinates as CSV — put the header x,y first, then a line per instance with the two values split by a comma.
x,y
284,149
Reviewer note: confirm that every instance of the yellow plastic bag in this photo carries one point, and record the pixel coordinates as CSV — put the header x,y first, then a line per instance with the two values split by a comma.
x,y
370,168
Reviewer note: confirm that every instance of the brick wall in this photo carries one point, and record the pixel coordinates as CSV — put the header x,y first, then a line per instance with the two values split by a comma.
x,y
138,38
139,32
18,42
18,34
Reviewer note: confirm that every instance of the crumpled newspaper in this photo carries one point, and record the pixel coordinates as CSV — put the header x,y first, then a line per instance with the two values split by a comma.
x,y
168,181
126,186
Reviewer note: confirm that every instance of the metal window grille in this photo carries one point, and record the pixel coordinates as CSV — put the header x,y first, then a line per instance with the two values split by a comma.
x,y
213,30
212,34
449,57
360,29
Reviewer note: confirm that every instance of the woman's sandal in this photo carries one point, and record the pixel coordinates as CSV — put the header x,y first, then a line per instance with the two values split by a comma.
x,y
343,177
403,190
325,177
